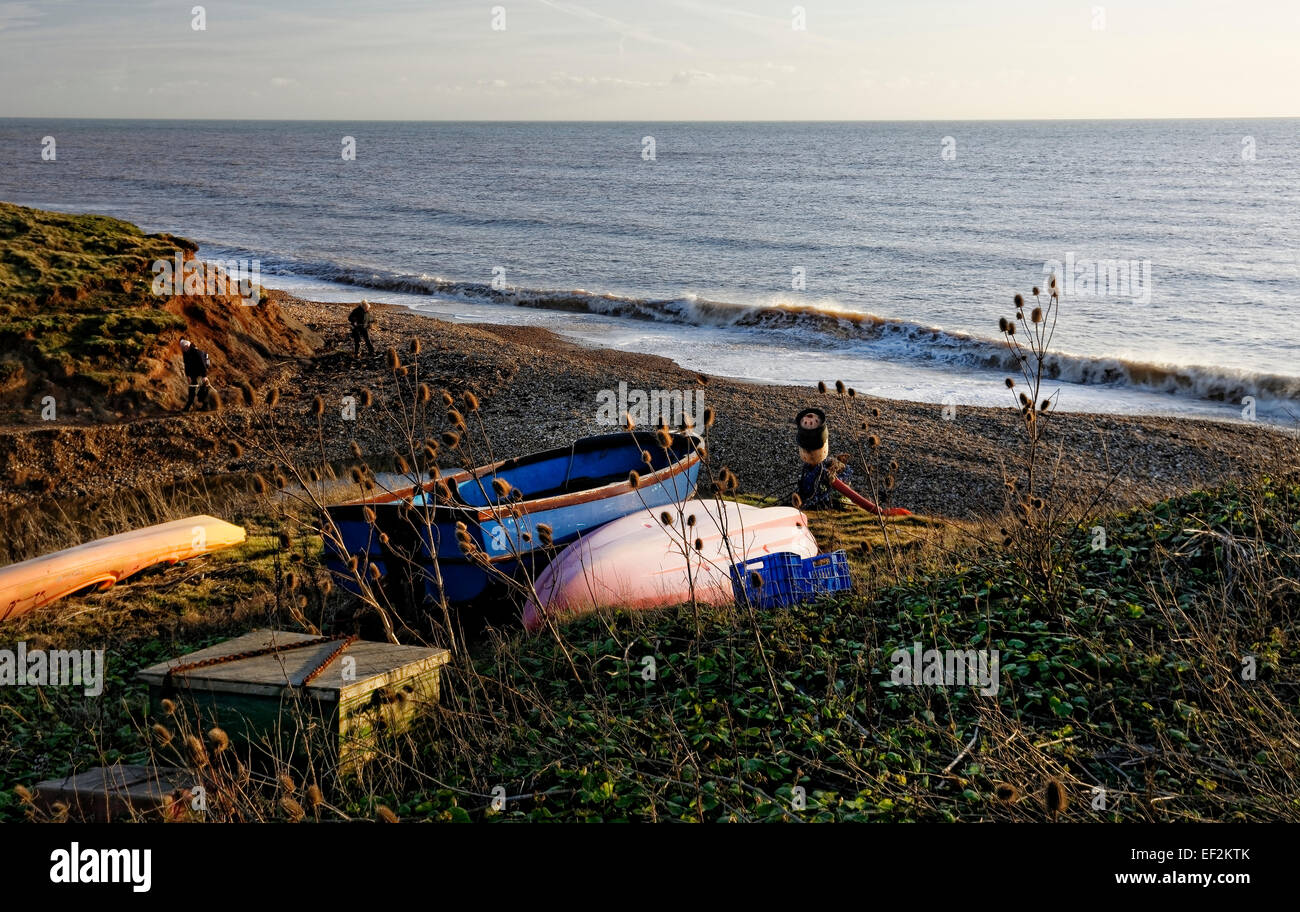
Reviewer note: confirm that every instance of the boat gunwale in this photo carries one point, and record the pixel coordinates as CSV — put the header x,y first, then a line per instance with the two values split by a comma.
x,y
451,512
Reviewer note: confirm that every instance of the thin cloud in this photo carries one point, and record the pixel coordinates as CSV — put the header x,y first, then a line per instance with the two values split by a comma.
x,y
623,29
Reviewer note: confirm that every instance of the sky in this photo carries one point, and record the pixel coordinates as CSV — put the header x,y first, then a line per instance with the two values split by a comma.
x,y
649,59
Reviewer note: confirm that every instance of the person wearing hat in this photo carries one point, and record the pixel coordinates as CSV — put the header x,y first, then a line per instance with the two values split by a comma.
x,y
195,363
361,319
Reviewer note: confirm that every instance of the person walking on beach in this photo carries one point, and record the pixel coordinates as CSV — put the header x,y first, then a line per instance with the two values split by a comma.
x,y
195,362
361,319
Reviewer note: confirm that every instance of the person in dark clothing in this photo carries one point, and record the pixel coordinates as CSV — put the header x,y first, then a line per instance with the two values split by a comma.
x,y
196,372
361,319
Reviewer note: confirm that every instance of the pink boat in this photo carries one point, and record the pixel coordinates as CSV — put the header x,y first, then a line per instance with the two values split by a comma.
x,y
639,562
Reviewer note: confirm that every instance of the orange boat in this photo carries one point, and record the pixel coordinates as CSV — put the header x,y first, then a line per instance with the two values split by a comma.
x,y
101,563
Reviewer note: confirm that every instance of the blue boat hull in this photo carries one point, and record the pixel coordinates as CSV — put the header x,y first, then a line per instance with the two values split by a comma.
x,y
413,545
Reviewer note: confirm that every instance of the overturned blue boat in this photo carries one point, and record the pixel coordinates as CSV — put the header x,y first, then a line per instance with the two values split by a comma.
x,y
410,537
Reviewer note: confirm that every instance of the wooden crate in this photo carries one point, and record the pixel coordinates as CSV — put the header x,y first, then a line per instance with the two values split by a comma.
x,y
118,792
370,691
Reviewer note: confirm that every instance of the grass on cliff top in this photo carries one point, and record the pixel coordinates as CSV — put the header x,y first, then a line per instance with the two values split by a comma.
x,y
1132,684
75,292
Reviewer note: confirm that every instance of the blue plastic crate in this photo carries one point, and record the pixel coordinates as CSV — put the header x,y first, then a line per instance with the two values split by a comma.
x,y
781,575
824,574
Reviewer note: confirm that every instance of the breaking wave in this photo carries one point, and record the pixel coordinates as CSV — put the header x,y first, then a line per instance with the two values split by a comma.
x,y
820,324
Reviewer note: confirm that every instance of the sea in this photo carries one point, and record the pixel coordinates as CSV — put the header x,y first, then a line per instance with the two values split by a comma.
x,y
878,254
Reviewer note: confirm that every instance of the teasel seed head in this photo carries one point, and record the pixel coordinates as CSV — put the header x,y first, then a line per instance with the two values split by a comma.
x,y
1005,791
384,815
853,394
699,544
281,481
1055,797
367,398
628,423
259,484
394,362
470,400
666,518
197,753
1034,291
163,734
1024,399
369,515
1011,329
709,416
1020,301
873,441
354,563
634,478
169,707
415,346
273,397
287,783
373,570
647,458
1045,405
821,386
236,449
665,439
447,400
1037,315
317,406
451,438
291,581
314,797
443,490
690,521
313,474
545,533
1011,384
755,580
293,811
24,794
246,393
356,474
501,487
425,394
839,387
795,500
403,467
1002,324
219,739
455,418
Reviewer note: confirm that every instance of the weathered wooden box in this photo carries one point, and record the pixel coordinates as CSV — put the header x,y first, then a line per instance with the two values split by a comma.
x,y
367,692
119,792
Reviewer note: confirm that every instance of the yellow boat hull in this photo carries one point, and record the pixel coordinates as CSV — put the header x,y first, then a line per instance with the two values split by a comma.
x,y
30,584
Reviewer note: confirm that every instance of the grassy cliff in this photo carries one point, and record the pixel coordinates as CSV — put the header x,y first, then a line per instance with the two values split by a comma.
x,y
79,320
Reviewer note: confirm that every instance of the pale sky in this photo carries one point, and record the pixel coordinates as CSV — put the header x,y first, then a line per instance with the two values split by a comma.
x,y
650,59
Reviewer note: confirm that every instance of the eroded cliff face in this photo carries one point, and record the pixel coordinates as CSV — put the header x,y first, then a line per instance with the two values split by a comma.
x,y
92,311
